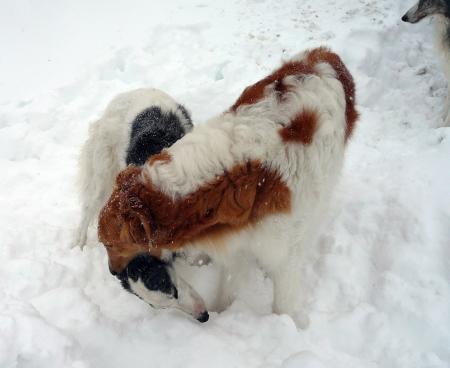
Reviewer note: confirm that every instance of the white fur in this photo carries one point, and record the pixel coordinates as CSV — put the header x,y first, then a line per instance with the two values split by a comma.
x,y
441,25
103,154
277,242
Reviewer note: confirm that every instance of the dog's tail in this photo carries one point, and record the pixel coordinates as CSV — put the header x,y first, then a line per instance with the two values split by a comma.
x,y
99,163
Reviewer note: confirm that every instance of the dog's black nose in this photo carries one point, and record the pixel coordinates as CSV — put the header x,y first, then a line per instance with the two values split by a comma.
x,y
203,317
405,18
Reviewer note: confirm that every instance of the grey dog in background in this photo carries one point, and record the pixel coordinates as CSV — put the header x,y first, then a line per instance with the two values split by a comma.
x,y
439,11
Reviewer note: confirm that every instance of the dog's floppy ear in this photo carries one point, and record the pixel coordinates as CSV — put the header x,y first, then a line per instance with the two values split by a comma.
x,y
123,225
152,271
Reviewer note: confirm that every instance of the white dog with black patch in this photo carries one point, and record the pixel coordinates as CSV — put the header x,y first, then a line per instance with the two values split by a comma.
x,y
135,126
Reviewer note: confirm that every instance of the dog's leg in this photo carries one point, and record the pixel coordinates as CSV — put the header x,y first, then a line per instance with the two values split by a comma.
x,y
288,292
225,291
88,213
81,232
235,273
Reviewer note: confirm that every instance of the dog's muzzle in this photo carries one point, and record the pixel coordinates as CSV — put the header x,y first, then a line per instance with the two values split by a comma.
x,y
413,15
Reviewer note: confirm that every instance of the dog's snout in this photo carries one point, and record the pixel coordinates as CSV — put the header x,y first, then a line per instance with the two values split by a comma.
x,y
204,317
405,18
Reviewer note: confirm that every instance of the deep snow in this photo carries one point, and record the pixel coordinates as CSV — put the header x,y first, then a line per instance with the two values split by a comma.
x,y
376,288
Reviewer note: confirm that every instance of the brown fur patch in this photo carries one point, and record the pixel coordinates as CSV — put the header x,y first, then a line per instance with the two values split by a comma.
x,y
255,93
301,129
138,217
325,55
125,233
163,156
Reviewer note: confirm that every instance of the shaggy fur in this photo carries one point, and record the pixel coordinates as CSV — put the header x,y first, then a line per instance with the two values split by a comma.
x,y
252,182
439,10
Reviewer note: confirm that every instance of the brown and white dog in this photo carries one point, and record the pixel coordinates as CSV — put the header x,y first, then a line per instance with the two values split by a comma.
x,y
252,182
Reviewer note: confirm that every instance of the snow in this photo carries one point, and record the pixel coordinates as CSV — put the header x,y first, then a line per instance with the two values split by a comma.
x,y
376,288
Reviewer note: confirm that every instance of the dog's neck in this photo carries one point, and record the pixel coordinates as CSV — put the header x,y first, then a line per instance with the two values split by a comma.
x,y
441,26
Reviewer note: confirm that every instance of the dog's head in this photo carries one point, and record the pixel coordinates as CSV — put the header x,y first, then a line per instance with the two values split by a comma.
x,y
125,229
425,8
157,283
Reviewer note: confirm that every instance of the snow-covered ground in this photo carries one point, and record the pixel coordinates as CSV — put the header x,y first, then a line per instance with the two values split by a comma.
x,y
376,287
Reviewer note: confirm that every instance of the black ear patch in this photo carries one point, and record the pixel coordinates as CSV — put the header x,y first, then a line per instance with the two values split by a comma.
x,y
154,129
151,271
